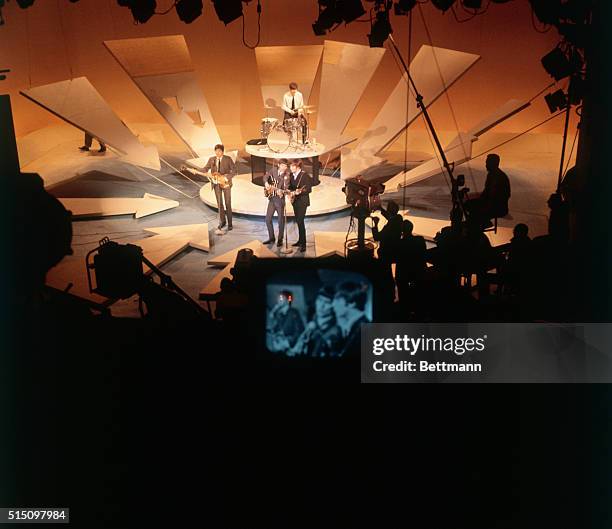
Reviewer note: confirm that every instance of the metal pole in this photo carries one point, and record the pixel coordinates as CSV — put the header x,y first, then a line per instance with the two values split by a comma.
x,y
423,108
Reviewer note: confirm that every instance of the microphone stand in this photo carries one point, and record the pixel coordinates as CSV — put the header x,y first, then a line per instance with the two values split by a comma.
x,y
455,195
286,250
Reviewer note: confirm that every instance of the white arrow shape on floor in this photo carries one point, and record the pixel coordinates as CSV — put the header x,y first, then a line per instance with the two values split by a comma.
x,y
148,204
164,245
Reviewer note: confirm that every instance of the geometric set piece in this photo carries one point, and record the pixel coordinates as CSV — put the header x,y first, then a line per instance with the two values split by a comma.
x,y
161,68
400,110
166,244
104,207
280,65
458,151
227,261
170,241
79,103
345,73
428,228
229,257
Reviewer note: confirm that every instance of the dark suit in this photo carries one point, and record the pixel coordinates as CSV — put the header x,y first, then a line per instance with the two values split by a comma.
x,y
227,168
301,201
276,203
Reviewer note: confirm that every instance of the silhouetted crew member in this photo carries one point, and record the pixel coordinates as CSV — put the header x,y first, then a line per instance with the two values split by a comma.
x,y
411,263
390,235
276,183
223,164
301,185
493,201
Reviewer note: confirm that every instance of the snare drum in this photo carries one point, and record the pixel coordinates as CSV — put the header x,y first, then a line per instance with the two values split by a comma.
x,y
267,124
279,138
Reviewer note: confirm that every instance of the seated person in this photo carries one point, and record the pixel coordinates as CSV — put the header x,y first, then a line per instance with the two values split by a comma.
x,y
493,201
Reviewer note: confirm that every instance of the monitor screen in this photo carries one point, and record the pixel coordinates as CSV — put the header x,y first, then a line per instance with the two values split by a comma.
x,y
316,313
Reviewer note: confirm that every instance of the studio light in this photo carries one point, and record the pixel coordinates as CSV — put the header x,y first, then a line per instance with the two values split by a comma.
x,y
443,5
381,28
350,10
557,65
403,7
556,101
142,10
546,11
328,17
228,10
189,10
472,4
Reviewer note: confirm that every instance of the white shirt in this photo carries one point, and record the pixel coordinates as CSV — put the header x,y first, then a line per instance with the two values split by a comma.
x,y
288,97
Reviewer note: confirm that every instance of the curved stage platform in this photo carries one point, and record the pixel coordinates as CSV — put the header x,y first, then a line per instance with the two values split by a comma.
x,y
249,199
292,151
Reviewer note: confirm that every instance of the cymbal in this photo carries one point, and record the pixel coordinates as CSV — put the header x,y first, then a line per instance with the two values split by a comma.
x,y
311,112
308,106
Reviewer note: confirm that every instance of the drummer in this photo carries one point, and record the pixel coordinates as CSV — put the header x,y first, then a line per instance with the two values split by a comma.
x,y
293,102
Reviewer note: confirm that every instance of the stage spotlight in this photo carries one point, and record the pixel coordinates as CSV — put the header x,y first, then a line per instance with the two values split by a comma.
x,y
350,10
557,65
381,28
142,10
472,4
546,11
556,101
328,17
403,7
189,10
443,5
228,10
24,4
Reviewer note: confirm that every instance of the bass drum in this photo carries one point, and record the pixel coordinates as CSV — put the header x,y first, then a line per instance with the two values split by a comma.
x,y
279,139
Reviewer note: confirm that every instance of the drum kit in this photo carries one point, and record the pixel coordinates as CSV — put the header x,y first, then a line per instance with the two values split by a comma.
x,y
292,134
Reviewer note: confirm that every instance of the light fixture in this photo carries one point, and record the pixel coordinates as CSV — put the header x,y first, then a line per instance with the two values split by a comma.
x,y
472,4
24,4
556,101
381,28
443,5
142,10
403,7
189,10
557,65
329,16
228,10
350,10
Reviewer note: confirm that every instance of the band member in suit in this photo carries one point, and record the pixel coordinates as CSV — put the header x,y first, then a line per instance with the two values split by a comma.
x,y
277,184
293,101
350,308
301,185
285,324
223,164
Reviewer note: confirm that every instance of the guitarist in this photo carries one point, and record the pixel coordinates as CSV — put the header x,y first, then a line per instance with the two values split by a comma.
x,y
221,164
300,185
276,184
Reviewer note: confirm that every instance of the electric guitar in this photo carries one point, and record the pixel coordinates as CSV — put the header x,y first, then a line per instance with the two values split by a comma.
x,y
215,178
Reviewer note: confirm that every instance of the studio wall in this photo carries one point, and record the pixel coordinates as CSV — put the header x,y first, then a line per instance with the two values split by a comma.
x,y
55,40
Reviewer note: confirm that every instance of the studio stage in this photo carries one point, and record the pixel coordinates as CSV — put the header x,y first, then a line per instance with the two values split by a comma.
x,y
136,193
248,198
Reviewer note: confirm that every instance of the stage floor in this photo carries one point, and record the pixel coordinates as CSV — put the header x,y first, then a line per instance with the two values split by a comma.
x,y
69,173
248,198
